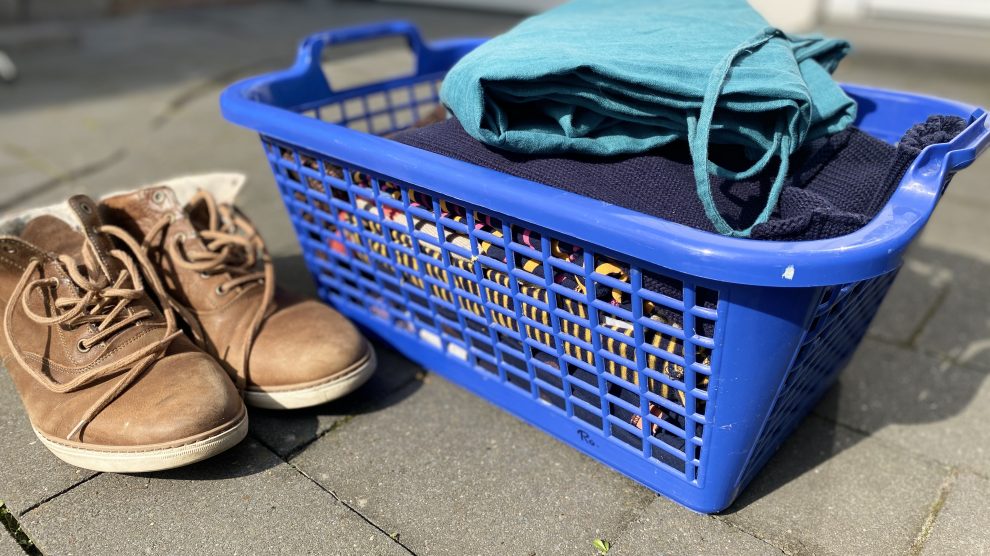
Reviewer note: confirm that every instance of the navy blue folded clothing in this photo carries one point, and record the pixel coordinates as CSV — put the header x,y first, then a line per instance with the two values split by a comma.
x,y
836,186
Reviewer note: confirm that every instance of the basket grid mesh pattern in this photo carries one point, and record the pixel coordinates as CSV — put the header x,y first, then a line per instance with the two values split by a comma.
x,y
840,320
627,351
383,111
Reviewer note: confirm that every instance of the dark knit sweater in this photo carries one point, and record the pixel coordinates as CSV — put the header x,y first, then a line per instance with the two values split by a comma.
x,y
837,184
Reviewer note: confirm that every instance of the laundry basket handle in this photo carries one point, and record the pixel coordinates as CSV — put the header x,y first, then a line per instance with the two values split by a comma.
x,y
937,162
430,58
357,33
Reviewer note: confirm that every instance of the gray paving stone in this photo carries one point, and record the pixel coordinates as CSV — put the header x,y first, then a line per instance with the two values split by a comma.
x,y
9,11
28,472
8,546
59,9
933,409
959,226
970,185
74,107
961,325
963,524
831,491
285,431
246,501
453,475
918,288
666,528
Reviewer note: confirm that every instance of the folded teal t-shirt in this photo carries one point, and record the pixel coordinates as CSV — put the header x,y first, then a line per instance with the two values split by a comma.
x,y
608,77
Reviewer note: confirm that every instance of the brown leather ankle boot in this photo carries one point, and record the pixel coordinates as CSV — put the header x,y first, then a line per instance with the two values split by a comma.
x,y
283,352
109,381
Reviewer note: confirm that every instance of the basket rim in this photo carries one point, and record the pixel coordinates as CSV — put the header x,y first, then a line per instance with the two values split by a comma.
x,y
268,104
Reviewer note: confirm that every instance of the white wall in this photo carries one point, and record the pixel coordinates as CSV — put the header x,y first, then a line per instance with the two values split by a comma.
x,y
789,15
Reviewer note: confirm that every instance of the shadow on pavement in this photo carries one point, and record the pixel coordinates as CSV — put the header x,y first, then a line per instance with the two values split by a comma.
x,y
895,386
286,433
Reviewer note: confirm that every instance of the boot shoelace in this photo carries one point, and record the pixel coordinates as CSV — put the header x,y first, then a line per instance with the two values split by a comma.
x,y
102,305
232,247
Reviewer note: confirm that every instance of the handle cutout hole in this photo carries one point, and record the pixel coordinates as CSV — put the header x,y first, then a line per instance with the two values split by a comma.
x,y
350,66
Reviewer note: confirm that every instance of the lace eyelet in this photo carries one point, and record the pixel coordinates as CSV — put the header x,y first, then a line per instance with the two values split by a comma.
x,y
158,196
10,250
85,208
220,291
81,346
204,275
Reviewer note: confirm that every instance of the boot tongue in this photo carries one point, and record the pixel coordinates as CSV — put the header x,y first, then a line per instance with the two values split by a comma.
x,y
56,235
52,234
85,211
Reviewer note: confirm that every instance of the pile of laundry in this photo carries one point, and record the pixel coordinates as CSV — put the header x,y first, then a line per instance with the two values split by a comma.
x,y
699,113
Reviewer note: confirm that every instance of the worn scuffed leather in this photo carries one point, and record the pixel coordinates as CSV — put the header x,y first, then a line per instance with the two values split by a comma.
x,y
300,342
180,396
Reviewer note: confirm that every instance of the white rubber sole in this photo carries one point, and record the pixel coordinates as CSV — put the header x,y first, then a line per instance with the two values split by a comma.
x,y
315,395
143,461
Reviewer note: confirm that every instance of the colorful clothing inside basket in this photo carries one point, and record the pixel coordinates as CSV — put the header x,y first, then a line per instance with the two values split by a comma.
x,y
490,269
836,185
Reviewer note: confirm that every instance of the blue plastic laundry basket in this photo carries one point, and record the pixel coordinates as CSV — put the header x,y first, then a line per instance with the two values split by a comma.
x,y
759,329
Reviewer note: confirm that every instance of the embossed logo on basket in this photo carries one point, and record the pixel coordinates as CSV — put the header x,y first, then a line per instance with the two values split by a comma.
x,y
585,437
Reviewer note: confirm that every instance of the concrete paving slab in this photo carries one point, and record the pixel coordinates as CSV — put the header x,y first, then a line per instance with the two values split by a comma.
x,y
93,134
970,186
8,546
147,87
285,432
963,524
960,327
832,491
959,226
10,10
916,402
29,473
200,142
916,292
20,179
451,474
666,528
245,501
130,74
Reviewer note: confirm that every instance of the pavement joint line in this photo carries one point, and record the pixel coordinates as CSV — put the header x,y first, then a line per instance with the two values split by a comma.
x,y
343,420
393,536
207,86
628,523
67,176
12,526
48,499
933,513
31,160
942,356
927,316
727,521
261,441
334,426
867,434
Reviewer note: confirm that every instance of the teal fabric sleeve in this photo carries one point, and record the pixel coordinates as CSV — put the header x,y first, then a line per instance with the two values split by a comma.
x,y
610,77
